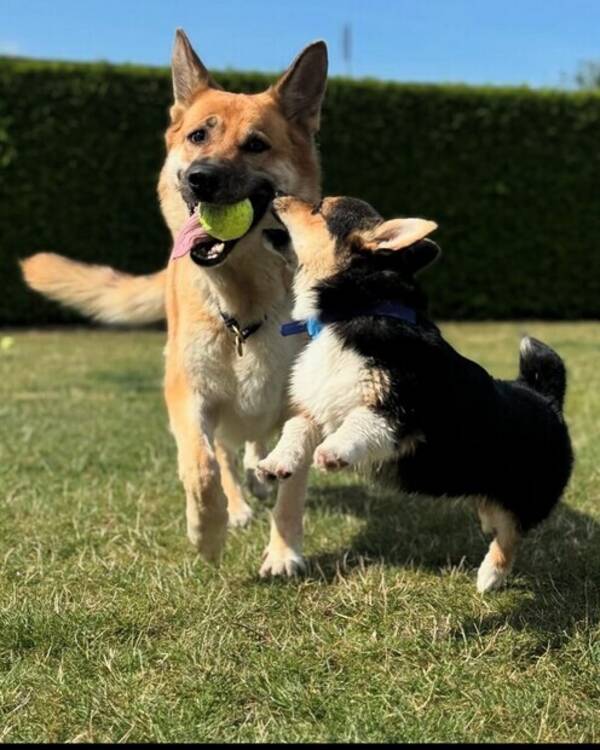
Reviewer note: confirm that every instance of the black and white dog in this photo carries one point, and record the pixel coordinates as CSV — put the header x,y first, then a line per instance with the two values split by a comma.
x,y
378,386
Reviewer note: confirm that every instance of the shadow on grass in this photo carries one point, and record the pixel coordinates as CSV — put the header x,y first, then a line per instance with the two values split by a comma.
x,y
558,565
399,530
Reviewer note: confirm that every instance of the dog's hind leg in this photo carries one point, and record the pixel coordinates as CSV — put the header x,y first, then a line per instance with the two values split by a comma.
x,y
498,562
283,555
485,518
206,505
239,510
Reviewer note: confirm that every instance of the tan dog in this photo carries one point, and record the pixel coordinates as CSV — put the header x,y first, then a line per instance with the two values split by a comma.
x,y
222,299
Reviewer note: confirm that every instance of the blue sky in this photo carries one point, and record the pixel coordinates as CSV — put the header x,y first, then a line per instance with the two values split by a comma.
x,y
534,42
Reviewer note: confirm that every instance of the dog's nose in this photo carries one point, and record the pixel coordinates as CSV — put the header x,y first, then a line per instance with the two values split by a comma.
x,y
204,181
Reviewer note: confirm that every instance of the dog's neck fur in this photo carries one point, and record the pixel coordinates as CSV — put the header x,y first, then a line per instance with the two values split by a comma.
x,y
252,282
363,285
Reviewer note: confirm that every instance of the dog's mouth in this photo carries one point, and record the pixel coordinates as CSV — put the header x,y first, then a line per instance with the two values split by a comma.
x,y
207,251
211,252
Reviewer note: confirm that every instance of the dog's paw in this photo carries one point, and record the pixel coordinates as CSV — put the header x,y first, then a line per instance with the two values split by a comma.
x,y
208,541
328,459
240,516
256,485
490,576
274,467
280,562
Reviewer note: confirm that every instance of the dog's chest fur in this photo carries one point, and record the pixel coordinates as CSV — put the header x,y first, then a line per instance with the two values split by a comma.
x,y
329,380
248,392
252,379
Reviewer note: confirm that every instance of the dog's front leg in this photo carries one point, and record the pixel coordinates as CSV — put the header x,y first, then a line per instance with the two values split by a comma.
x,y
363,437
206,505
290,461
283,555
299,437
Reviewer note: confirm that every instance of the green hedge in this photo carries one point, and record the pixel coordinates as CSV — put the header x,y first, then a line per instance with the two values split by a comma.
x,y
512,176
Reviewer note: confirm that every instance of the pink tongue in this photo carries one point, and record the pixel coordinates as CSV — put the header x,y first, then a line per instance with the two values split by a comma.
x,y
190,234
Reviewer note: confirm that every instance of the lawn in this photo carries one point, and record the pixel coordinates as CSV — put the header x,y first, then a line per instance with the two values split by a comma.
x,y
112,629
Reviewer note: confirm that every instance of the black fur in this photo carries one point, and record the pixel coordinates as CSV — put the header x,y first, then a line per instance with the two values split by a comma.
x,y
350,214
504,440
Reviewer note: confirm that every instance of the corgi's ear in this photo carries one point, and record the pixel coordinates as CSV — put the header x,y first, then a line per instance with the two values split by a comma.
x,y
189,73
420,255
301,89
398,234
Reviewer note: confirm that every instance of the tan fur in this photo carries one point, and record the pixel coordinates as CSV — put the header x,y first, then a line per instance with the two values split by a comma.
x,y
283,556
501,555
98,291
239,511
231,398
216,399
314,247
376,387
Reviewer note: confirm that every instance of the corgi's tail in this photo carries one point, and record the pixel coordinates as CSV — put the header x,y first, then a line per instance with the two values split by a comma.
x,y
97,291
543,370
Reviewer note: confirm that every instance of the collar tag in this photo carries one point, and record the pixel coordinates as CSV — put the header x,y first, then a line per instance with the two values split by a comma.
x,y
240,334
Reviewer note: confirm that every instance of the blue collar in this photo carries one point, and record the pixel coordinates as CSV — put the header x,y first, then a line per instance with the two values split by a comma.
x,y
314,326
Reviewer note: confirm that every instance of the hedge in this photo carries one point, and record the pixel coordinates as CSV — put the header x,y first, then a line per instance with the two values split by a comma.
x,y
511,175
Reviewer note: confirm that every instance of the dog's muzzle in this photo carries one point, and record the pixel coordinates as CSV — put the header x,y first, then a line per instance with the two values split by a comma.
x,y
223,183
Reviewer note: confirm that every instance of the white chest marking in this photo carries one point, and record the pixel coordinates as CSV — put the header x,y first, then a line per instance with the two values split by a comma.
x,y
328,380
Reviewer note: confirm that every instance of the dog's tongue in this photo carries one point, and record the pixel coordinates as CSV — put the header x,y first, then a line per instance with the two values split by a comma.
x,y
190,234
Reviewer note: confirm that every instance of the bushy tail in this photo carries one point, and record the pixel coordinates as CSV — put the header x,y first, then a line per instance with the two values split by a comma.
x,y
543,370
97,291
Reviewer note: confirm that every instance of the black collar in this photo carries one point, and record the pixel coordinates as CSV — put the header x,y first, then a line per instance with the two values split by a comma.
x,y
241,334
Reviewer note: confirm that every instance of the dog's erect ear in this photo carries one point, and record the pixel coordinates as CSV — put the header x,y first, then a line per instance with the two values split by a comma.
x,y
398,234
420,255
407,236
301,89
189,73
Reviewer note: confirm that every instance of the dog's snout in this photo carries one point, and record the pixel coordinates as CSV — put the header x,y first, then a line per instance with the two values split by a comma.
x,y
281,203
204,181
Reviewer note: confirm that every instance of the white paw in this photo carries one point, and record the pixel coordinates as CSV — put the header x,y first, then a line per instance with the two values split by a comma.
x,y
284,562
328,459
240,516
257,486
274,466
489,576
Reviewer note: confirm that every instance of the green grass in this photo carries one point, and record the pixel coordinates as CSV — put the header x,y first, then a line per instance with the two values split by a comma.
x,y
112,629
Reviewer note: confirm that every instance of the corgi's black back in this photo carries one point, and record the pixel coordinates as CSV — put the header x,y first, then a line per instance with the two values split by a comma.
x,y
474,435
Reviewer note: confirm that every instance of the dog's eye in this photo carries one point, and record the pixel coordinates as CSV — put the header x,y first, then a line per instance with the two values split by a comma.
x,y
255,145
198,136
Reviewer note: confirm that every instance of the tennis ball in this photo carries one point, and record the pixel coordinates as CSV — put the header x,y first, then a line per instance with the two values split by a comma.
x,y
226,222
6,343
